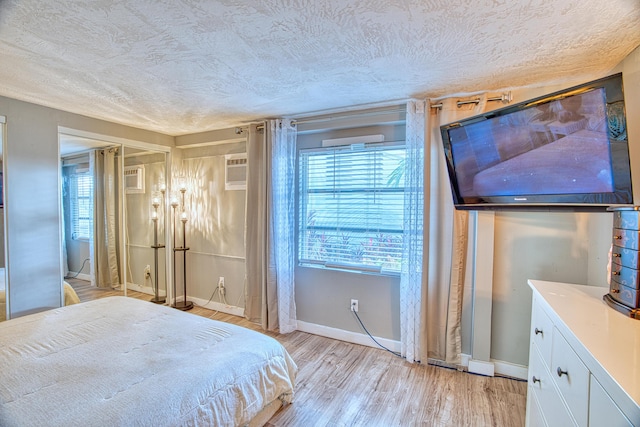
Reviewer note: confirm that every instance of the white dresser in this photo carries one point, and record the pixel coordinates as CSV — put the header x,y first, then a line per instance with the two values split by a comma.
x,y
584,359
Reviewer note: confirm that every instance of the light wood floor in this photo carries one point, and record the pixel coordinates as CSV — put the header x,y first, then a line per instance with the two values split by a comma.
x,y
343,384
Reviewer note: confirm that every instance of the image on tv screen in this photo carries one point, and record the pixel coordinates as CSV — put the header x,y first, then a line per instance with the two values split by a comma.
x,y
557,147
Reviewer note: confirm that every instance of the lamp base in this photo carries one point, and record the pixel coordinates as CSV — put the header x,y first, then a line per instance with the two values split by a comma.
x,y
183,305
158,300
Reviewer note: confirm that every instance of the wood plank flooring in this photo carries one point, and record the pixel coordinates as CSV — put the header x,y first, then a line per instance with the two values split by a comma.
x,y
343,384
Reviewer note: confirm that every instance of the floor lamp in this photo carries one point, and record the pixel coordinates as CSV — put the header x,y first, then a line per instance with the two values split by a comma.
x,y
155,202
184,304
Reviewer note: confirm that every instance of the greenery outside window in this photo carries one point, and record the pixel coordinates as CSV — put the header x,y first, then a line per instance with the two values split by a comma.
x,y
351,207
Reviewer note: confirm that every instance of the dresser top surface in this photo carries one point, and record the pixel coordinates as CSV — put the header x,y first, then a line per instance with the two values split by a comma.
x,y
610,339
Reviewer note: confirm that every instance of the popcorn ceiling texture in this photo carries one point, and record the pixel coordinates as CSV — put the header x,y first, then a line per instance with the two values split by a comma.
x,y
186,66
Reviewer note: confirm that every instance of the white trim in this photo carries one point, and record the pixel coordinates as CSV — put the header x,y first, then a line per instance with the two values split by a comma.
x,y
131,143
216,306
509,369
142,289
212,143
76,275
364,139
3,119
347,336
481,367
482,286
506,369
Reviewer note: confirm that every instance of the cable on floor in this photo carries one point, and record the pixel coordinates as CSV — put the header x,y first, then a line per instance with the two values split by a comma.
x,y
355,313
79,271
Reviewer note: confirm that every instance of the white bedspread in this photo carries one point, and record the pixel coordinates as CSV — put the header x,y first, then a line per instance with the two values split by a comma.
x,y
124,362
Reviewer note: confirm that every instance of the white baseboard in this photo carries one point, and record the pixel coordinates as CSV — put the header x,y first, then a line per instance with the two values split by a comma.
x,y
352,337
500,367
144,289
481,367
217,306
76,275
512,370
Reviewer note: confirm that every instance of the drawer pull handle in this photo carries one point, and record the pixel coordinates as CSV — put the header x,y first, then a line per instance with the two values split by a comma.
x,y
535,380
616,255
561,372
617,237
615,273
615,291
538,331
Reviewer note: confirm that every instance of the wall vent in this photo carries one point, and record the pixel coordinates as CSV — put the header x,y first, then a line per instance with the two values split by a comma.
x,y
235,171
134,179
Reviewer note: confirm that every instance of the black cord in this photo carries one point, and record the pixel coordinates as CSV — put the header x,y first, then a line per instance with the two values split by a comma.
x,y
355,313
79,271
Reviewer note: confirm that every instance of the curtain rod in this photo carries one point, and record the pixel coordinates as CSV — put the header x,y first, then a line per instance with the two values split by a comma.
x,y
239,130
505,98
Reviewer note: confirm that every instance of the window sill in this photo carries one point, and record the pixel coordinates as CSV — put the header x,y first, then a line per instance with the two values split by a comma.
x,y
354,270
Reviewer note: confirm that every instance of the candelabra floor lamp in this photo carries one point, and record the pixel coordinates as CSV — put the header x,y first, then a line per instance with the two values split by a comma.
x,y
183,305
155,202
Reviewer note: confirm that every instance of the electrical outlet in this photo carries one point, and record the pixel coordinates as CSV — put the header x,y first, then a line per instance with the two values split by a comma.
x,y
147,271
221,285
354,305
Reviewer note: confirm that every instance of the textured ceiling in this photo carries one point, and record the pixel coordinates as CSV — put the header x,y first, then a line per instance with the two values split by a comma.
x,y
185,66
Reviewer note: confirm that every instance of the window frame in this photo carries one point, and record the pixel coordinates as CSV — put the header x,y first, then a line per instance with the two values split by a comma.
x,y
76,219
302,212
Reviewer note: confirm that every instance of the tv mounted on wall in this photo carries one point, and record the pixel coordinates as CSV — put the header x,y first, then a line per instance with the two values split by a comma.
x,y
565,150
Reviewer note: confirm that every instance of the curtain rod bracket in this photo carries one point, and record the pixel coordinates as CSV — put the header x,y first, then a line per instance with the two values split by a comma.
x,y
505,98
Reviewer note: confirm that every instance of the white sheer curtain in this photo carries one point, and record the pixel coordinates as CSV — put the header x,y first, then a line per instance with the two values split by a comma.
x,y
270,227
105,271
411,324
446,238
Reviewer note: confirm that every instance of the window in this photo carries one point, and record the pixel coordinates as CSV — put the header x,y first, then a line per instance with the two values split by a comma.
x,y
351,207
81,192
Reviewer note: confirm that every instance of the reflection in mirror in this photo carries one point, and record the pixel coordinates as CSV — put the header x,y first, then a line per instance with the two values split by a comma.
x,y
144,203
3,293
91,217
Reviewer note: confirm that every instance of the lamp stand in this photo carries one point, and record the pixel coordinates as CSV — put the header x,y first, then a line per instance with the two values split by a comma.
x,y
156,285
183,305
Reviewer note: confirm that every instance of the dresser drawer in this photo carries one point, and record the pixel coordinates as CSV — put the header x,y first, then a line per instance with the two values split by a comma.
x,y
534,411
541,331
624,294
626,218
625,256
572,378
626,238
603,412
625,276
542,389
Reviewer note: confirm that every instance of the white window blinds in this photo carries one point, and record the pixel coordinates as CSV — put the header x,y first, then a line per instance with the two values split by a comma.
x,y
81,192
351,207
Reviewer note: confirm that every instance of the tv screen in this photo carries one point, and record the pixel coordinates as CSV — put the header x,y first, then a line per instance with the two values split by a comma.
x,y
565,150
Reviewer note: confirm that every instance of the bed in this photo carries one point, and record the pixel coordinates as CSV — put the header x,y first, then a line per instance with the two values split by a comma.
x,y
120,361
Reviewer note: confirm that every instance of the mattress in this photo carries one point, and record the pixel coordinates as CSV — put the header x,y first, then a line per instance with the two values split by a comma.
x,y
120,361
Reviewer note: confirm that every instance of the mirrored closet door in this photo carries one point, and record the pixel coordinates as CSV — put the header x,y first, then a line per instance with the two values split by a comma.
x,y
144,212
113,217
3,276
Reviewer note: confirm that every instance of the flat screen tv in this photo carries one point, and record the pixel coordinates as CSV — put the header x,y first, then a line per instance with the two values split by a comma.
x,y
566,150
